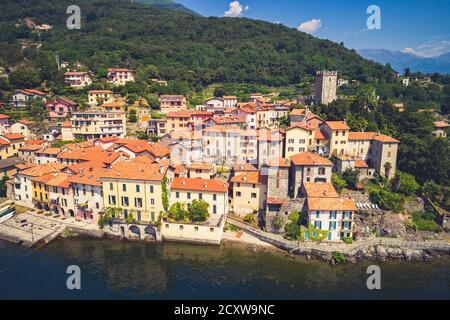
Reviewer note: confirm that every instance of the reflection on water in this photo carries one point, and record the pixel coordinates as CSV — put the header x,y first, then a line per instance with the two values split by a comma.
x,y
114,270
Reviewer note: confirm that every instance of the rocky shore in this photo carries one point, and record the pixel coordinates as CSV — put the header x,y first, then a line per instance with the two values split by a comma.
x,y
382,254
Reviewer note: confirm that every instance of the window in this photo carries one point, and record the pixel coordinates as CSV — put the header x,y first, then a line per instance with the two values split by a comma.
x,y
321,171
333,214
317,224
177,195
97,205
111,186
200,196
317,214
181,227
112,200
196,228
152,201
238,194
214,197
332,225
152,190
253,195
152,215
125,202
138,202
214,209
124,187
138,188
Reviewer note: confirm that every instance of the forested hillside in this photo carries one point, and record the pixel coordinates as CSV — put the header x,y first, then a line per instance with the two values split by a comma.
x,y
171,44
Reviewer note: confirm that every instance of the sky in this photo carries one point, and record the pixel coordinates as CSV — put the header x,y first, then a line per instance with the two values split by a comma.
x,y
421,27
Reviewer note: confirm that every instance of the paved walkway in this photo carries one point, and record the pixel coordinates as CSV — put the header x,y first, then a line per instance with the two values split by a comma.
x,y
280,241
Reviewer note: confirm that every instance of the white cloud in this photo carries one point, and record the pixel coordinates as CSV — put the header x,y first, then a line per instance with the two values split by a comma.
x,y
430,49
236,9
310,26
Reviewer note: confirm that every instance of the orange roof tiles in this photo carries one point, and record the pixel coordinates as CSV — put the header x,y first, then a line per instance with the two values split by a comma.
x,y
42,169
89,154
320,190
66,124
248,177
335,204
298,112
14,136
371,136
35,142
201,166
318,134
180,114
337,125
361,164
91,176
276,201
50,151
244,167
278,162
310,159
4,116
59,180
140,168
31,147
205,185
26,122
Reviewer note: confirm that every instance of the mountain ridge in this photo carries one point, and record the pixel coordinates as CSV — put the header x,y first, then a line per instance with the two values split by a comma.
x,y
400,60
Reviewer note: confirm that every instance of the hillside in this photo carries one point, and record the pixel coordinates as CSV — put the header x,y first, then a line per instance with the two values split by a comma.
x,y
172,44
166,4
401,60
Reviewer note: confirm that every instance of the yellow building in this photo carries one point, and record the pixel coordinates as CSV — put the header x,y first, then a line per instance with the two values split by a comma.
x,y
10,144
136,188
178,120
40,191
298,138
338,132
249,193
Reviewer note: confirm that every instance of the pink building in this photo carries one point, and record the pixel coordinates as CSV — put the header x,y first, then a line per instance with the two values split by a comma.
x,y
60,108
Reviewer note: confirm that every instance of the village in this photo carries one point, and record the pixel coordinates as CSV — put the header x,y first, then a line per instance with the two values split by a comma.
x,y
207,169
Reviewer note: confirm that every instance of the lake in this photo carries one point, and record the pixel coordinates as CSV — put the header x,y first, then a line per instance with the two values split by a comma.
x,y
127,270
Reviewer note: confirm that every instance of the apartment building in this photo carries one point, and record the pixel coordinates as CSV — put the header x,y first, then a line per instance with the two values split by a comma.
x,y
298,139
337,133
88,125
178,120
21,98
60,108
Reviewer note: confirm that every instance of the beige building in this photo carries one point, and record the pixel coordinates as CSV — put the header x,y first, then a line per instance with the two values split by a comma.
x,y
337,133
379,151
172,103
178,120
298,138
249,193
25,128
136,187
77,79
98,97
94,124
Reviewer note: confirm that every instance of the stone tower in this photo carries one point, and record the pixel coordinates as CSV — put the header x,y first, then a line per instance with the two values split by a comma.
x,y
326,85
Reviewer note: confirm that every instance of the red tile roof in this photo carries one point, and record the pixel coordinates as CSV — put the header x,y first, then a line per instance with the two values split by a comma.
x,y
140,168
310,159
14,136
4,116
248,177
371,136
337,125
335,204
199,185
320,190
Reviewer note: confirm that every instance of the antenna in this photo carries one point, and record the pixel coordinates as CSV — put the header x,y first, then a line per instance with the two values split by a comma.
x,y
57,60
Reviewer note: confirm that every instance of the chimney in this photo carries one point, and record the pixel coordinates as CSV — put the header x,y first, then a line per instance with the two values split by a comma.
x,y
161,169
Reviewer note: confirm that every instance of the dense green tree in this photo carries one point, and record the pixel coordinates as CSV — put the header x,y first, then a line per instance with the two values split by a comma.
x,y
198,210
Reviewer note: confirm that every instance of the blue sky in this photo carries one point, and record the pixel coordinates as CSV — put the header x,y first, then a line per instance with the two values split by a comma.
x,y
419,26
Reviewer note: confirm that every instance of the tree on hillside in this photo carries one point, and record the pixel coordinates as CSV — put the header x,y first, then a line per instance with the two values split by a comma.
x,y
37,110
25,78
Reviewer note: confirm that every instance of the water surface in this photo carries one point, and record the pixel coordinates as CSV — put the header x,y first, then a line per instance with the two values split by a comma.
x,y
125,270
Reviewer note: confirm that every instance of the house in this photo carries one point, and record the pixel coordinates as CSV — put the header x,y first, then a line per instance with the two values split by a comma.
x,y
230,101
299,137
136,186
379,151
113,106
440,129
60,108
8,167
337,133
10,144
23,188
157,127
178,120
4,124
249,193
213,104
199,170
172,103
214,192
98,97
78,79
28,152
21,98
329,217
93,153
87,190
24,128
308,167
60,193
120,77
47,155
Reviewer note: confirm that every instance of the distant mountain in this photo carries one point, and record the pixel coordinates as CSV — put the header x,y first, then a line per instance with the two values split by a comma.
x,y
166,4
401,60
